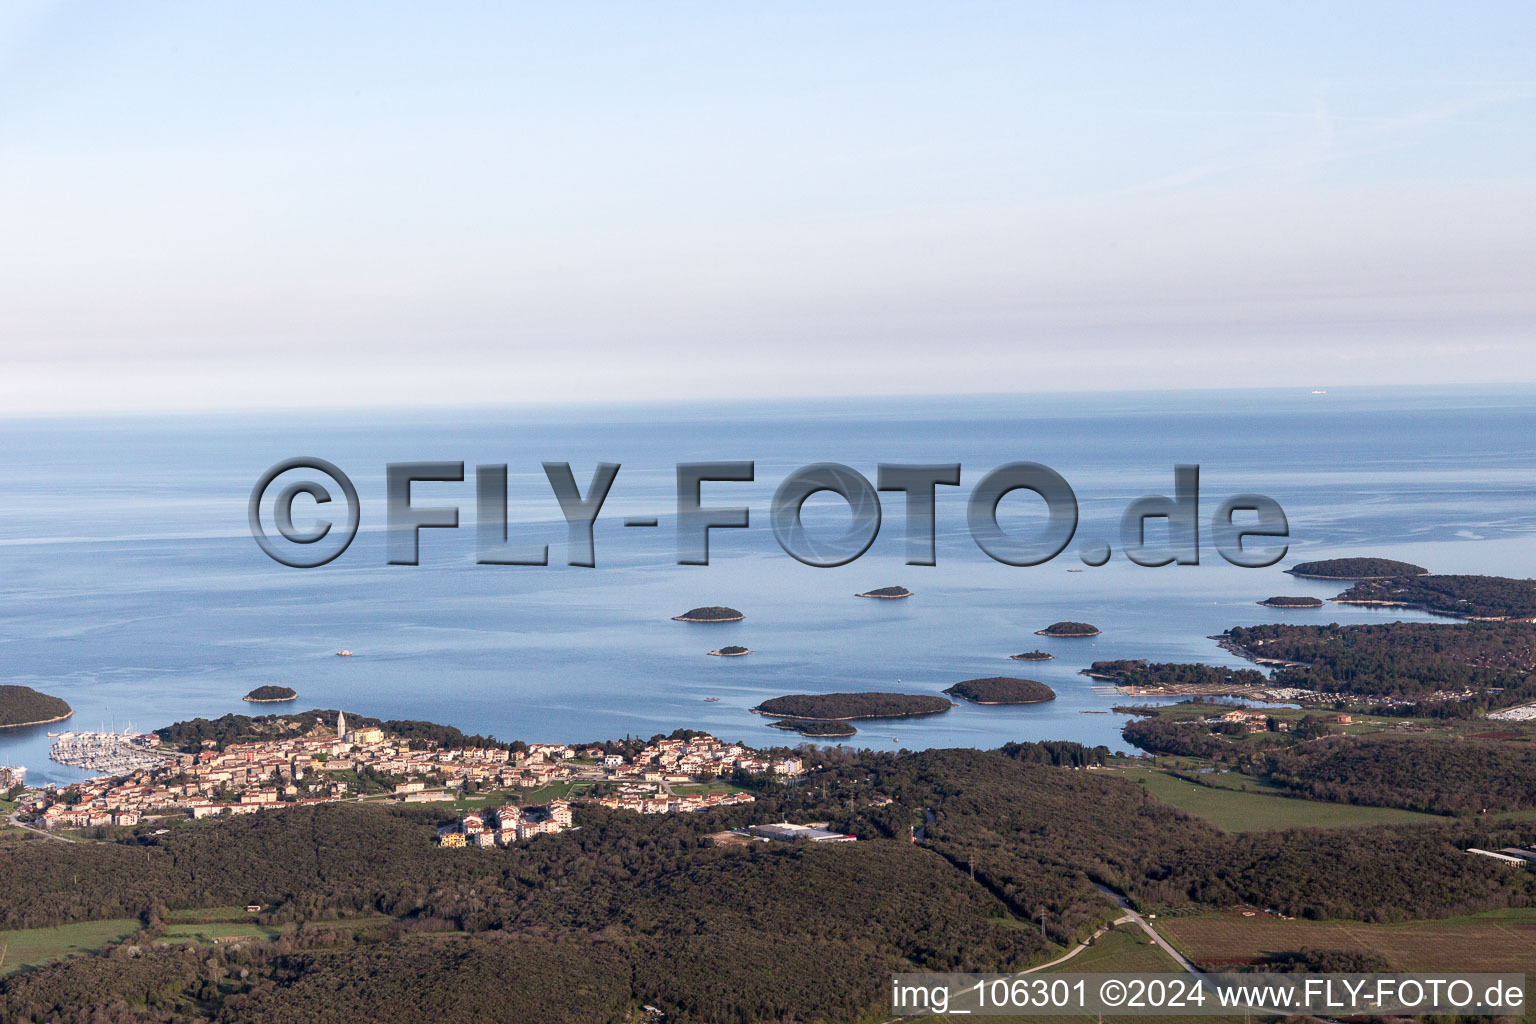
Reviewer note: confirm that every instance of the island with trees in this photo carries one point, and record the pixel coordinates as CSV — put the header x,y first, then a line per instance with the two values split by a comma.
x,y
710,613
1292,602
842,707
22,705
1069,629
1356,569
1002,690
887,593
815,728
1036,655
730,651
271,695
1464,597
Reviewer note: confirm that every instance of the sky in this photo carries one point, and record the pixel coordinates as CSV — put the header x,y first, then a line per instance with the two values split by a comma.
x,y
295,205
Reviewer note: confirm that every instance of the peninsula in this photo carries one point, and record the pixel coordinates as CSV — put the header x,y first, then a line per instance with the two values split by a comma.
x,y
1002,690
1491,598
1356,569
271,695
841,707
22,705
730,651
710,613
1136,677
887,593
1068,629
1292,602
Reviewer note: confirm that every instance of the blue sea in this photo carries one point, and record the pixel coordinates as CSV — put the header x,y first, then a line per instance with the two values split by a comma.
x,y
131,587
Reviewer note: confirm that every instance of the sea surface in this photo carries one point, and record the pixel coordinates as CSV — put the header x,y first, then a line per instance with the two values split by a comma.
x,y
131,587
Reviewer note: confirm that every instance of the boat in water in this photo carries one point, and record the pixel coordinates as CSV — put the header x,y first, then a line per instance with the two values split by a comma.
x,y
343,654
710,700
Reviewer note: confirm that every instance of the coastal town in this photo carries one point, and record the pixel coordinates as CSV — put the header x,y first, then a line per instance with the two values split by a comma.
x,y
323,764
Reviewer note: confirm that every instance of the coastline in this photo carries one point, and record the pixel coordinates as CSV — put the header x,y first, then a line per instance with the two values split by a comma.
x,y
1442,613
1008,703
269,700
1351,579
45,721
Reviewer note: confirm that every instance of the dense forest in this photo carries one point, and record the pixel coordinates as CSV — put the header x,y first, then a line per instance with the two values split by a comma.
x,y
837,706
22,705
1356,568
1058,753
1467,597
1179,739
1002,690
643,909
1439,775
1400,659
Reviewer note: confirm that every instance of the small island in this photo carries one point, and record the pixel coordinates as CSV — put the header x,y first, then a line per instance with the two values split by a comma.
x,y
730,651
1002,690
1033,656
22,705
710,613
1356,569
820,730
1068,629
841,707
887,593
1292,602
271,695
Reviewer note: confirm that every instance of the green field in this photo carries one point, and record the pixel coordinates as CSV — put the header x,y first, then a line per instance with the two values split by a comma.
x,y
1233,810
1124,949
36,946
181,933
210,914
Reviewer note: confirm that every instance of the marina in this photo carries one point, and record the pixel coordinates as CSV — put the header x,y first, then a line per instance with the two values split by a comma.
x,y
110,753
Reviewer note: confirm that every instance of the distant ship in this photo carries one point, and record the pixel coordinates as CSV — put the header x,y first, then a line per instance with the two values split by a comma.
x,y
710,700
343,654
1319,392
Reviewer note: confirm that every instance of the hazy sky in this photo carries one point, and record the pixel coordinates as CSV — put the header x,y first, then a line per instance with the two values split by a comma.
x,y
248,204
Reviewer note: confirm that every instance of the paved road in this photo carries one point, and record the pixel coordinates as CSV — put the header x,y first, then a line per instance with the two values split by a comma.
x,y
1080,946
16,820
1132,915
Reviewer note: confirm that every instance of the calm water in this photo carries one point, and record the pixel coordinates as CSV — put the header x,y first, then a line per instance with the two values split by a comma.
x,y
130,587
